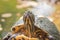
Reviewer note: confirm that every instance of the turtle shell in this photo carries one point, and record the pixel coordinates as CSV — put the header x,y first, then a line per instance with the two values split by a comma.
x,y
45,24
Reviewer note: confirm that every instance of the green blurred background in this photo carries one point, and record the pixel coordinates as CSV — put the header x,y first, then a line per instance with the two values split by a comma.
x,y
9,14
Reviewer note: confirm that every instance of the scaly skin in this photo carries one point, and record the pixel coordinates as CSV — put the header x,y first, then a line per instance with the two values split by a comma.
x,y
29,29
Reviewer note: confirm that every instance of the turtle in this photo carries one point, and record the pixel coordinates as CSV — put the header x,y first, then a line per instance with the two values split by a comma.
x,y
45,24
29,28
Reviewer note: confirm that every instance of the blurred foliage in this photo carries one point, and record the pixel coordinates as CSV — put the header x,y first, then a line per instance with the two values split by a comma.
x,y
9,6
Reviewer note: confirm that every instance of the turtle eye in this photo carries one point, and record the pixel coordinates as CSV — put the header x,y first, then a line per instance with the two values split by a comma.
x,y
13,29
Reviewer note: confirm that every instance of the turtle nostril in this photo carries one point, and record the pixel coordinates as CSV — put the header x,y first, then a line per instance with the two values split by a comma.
x,y
13,29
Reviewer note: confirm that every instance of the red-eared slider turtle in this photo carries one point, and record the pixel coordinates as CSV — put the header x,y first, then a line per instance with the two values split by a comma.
x,y
45,24
29,29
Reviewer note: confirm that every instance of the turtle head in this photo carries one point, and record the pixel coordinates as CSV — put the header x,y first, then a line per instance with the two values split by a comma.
x,y
29,21
28,18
